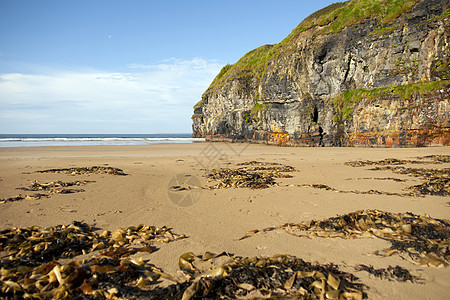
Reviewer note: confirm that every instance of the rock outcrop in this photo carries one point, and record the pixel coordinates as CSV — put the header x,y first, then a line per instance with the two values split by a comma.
x,y
358,73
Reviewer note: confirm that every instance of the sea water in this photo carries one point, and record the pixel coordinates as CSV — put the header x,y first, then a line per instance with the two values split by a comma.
x,y
38,140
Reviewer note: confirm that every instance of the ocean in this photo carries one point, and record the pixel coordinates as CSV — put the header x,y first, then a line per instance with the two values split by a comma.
x,y
38,140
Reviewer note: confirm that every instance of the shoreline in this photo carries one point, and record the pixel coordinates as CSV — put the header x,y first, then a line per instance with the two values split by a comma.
x,y
217,218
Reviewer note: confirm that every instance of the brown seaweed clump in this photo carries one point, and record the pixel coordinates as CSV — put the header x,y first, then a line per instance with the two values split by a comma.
x,y
322,186
61,187
421,239
429,159
53,187
384,162
86,170
436,182
436,158
56,187
253,174
23,197
32,266
390,273
97,278
281,276
34,245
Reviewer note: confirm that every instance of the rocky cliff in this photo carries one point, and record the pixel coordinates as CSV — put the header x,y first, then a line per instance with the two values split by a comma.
x,y
358,73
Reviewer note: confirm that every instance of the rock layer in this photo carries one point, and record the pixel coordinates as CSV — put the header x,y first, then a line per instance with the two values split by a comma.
x,y
377,80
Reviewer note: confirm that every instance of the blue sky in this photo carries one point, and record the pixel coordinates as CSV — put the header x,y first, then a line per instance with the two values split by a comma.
x,y
135,66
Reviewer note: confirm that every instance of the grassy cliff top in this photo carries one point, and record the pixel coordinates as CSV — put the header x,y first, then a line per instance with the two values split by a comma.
x,y
331,19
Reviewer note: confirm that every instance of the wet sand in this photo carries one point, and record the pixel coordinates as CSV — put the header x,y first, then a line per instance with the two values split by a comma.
x,y
215,219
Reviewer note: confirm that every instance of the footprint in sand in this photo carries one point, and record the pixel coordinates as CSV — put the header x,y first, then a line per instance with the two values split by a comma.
x,y
273,214
244,211
67,209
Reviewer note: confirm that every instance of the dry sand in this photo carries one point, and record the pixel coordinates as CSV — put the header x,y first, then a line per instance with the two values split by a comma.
x,y
218,218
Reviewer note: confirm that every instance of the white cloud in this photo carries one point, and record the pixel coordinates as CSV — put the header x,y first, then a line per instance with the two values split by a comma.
x,y
148,99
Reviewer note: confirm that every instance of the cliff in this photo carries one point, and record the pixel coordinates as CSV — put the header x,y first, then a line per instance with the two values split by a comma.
x,y
358,73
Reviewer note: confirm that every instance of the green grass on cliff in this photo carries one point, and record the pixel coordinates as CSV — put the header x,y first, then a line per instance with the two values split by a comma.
x,y
340,15
345,102
399,91
331,19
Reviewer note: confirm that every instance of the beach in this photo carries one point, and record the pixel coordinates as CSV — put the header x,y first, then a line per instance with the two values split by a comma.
x,y
214,219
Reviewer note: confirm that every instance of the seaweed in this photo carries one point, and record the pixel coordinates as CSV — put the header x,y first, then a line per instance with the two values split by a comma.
x,y
390,273
280,276
421,239
86,170
253,174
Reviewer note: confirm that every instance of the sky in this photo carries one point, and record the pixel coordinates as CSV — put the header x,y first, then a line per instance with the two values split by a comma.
x,y
129,66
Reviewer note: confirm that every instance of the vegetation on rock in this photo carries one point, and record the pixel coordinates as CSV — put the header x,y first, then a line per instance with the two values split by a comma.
x,y
331,19
344,103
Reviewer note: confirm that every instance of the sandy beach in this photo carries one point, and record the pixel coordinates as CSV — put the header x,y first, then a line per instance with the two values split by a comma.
x,y
214,219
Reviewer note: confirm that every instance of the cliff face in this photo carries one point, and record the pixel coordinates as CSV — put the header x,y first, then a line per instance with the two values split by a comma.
x,y
369,73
